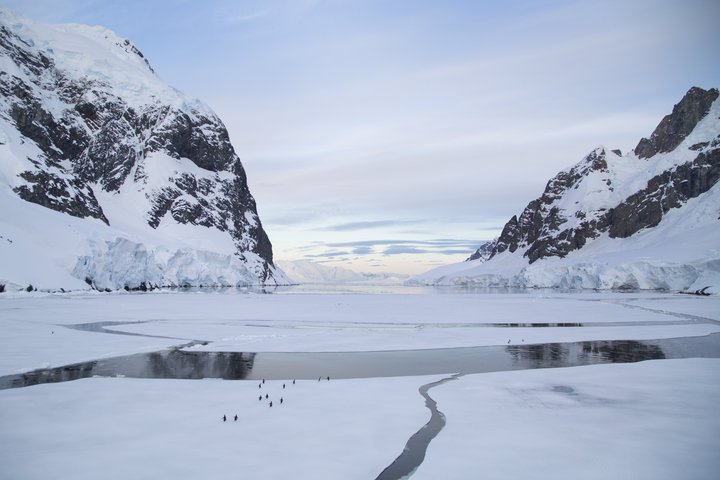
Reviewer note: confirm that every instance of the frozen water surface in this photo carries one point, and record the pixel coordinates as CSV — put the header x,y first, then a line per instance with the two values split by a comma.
x,y
652,419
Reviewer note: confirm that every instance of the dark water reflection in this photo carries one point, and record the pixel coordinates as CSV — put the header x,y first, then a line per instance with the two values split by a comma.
x,y
558,354
180,364
165,364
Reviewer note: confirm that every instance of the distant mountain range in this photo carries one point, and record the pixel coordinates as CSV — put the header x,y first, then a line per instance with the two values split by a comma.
x,y
109,177
306,272
647,219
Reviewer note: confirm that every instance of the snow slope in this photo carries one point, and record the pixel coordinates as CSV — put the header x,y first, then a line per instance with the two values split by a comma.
x,y
616,222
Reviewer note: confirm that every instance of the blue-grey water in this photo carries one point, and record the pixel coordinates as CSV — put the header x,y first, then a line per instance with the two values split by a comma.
x,y
177,363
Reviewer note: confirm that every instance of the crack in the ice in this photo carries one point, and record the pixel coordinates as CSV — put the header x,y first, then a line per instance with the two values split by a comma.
x,y
416,447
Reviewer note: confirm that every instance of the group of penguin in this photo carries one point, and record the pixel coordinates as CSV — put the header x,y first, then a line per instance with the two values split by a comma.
x,y
267,397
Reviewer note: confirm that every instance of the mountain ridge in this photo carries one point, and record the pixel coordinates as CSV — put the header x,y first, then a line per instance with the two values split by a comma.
x,y
607,196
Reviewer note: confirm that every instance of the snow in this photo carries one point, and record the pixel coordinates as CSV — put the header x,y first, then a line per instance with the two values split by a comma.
x,y
682,252
650,420
128,428
98,54
307,272
111,257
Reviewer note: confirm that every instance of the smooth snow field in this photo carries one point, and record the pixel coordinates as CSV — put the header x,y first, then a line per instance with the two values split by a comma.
x,y
652,419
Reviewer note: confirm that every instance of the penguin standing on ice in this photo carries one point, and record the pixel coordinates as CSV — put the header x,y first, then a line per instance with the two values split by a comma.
x,y
224,418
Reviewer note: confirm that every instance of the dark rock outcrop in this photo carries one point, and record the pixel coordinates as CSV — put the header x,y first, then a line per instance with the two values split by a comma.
x,y
538,227
671,189
483,253
673,129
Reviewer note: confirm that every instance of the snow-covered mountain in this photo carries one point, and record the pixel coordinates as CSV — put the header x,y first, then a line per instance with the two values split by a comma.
x,y
109,177
304,271
647,219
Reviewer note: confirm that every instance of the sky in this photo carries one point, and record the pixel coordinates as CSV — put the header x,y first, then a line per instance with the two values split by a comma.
x,y
396,136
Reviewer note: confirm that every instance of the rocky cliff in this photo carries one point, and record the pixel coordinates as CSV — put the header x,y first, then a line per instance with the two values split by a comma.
x,y
90,131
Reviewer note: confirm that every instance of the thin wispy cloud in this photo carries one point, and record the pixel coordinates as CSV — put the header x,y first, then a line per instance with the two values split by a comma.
x,y
369,225
439,242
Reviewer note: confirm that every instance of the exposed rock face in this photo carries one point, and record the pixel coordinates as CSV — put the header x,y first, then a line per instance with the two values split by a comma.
x,y
668,190
483,253
675,127
117,131
582,203
538,227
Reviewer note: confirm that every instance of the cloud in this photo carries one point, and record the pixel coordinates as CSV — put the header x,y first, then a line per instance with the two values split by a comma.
x,y
371,249
328,254
436,243
402,249
373,224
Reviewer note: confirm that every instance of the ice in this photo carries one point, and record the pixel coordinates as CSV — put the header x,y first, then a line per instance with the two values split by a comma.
x,y
653,419
128,428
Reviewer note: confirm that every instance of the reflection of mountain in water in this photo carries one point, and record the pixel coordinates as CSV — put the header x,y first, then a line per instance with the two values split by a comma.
x,y
166,364
583,353
194,365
